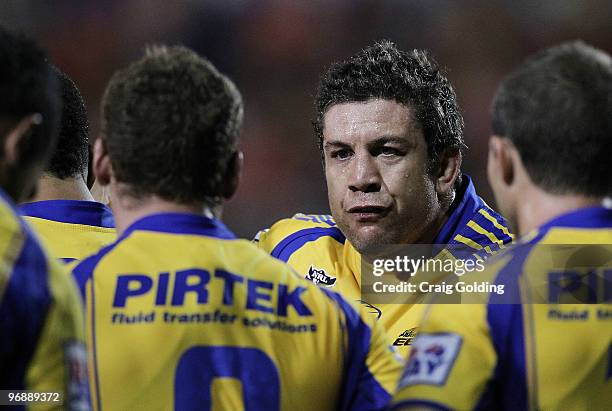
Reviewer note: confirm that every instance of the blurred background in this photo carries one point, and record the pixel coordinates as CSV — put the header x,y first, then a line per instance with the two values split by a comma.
x,y
275,51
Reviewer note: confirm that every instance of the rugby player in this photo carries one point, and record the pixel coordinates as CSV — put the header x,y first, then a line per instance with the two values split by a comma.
x,y
391,136
181,314
41,320
550,346
63,212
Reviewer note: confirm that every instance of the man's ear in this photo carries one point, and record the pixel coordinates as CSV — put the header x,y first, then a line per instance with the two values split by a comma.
x,y
11,150
500,165
102,166
450,165
232,177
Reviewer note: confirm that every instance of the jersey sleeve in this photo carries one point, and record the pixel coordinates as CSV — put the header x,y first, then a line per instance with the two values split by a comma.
x,y
451,361
372,366
287,230
60,360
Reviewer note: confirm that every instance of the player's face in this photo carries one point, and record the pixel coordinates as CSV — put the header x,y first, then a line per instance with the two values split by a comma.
x,y
376,169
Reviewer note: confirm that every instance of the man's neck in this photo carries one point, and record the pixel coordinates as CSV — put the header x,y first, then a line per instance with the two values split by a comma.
x,y
447,206
127,209
53,188
539,207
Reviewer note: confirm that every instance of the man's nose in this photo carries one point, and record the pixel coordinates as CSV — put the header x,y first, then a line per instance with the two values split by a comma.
x,y
365,175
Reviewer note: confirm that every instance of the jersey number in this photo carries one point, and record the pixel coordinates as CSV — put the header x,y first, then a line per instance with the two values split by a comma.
x,y
200,365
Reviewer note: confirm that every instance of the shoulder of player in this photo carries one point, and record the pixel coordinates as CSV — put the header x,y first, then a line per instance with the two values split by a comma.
x,y
291,233
38,279
83,270
484,232
40,223
10,223
264,267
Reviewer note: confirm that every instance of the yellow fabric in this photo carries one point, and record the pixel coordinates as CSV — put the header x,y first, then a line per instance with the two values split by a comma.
x,y
137,364
559,354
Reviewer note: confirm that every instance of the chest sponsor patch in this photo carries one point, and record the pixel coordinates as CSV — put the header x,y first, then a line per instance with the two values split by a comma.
x,y
318,276
431,359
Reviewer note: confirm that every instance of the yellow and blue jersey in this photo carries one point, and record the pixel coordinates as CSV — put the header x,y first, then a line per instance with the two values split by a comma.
x,y
316,248
182,315
545,343
42,341
70,229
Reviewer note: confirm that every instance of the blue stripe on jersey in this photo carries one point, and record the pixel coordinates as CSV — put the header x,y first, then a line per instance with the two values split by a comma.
x,y
508,387
83,271
360,390
609,372
182,223
295,241
94,347
481,239
462,213
488,225
23,311
70,211
418,404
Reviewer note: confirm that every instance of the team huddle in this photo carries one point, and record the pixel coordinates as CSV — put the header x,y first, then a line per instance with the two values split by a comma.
x,y
151,302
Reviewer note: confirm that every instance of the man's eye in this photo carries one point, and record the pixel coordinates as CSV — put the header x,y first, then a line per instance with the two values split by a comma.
x,y
341,154
390,151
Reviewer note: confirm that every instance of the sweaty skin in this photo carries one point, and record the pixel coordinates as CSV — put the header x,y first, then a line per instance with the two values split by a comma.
x,y
379,188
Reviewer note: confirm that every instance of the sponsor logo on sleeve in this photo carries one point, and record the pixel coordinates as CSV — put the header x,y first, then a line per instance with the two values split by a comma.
x,y
432,357
406,338
77,388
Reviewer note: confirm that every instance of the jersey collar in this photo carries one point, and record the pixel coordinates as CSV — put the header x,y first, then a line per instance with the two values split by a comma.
x,y
589,217
181,223
464,207
70,211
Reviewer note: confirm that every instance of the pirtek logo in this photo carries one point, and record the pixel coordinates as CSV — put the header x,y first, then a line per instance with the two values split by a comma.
x,y
319,276
406,337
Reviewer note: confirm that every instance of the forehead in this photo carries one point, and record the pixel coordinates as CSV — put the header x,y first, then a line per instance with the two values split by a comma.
x,y
369,119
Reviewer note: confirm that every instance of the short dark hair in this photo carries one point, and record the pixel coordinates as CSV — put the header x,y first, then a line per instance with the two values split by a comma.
x,y
171,122
556,108
71,155
28,86
411,78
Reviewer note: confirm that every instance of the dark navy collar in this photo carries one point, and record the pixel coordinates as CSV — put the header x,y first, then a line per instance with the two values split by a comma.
x,y
466,204
181,223
588,217
70,211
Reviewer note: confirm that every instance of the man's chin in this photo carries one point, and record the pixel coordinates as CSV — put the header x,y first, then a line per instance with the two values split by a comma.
x,y
370,242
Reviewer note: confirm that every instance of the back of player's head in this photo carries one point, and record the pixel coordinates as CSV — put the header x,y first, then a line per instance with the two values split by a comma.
x,y
71,155
171,122
556,108
412,78
29,96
